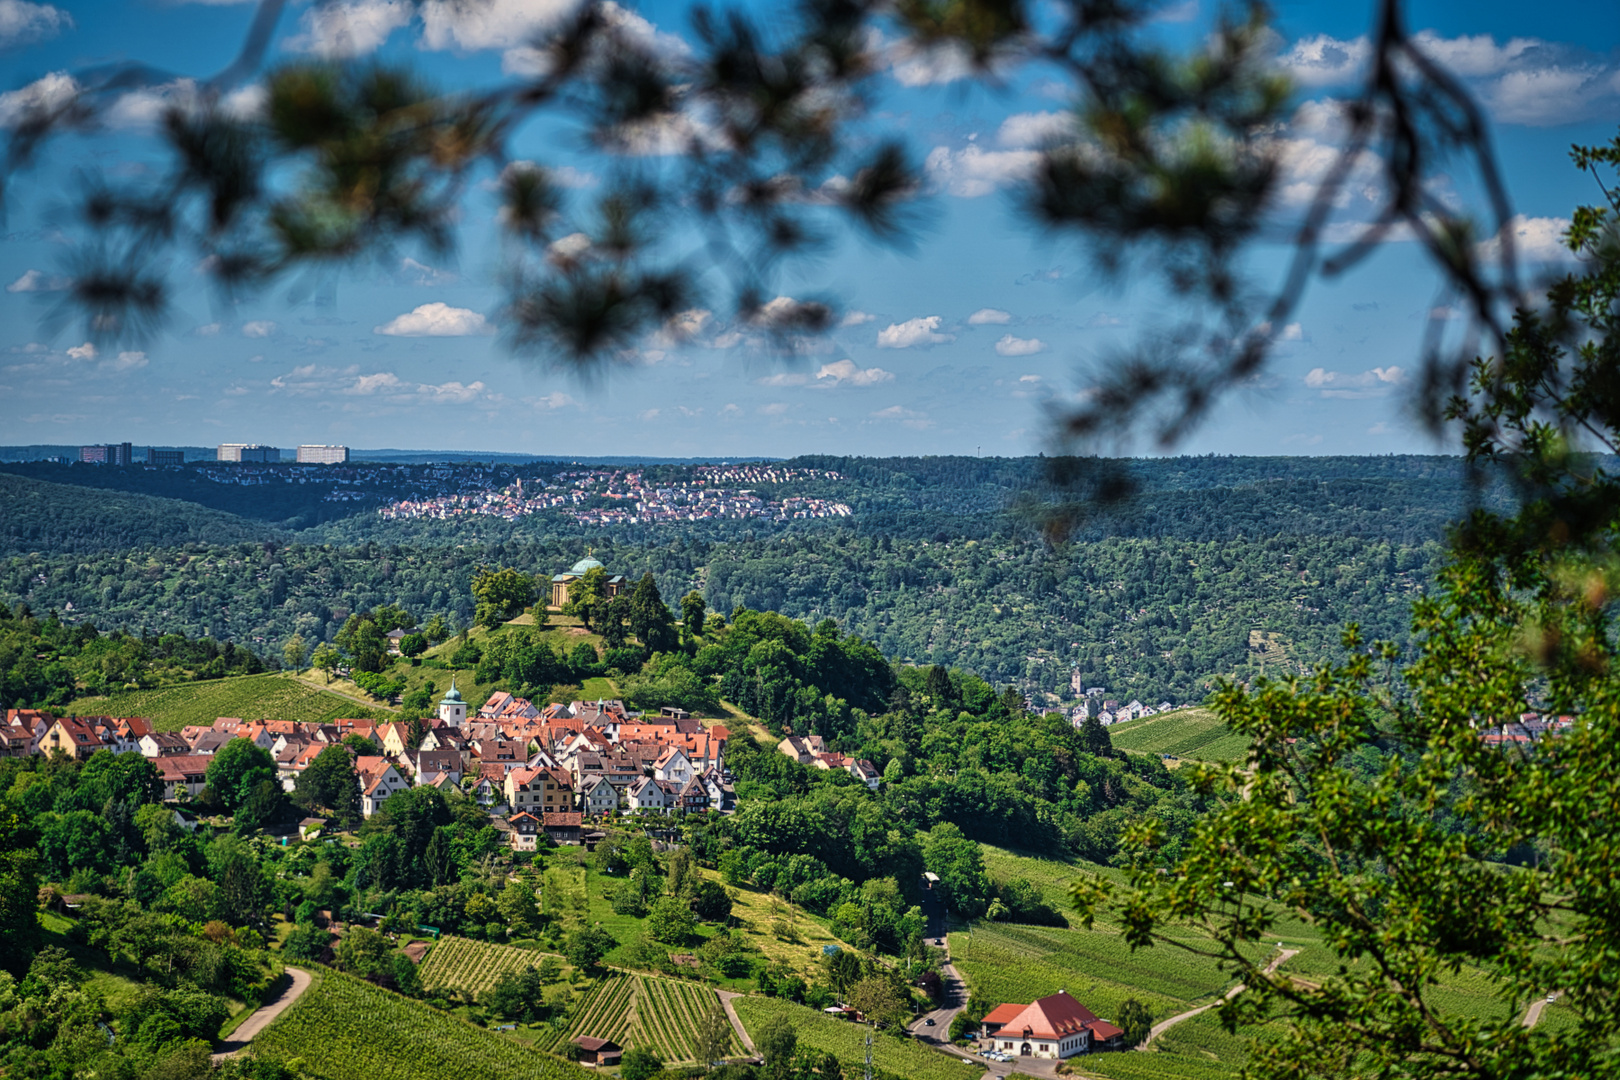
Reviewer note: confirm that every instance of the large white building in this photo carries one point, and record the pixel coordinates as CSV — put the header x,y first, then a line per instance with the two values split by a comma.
x,y
311,454
252,452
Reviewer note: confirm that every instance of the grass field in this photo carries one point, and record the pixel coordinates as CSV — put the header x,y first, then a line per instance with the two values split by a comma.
x,y
472,968
1185,733
660,1015
346,1029
847,1042
583,891
250,697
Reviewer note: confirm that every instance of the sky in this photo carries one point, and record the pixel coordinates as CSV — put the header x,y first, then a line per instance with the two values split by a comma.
x,y
965,344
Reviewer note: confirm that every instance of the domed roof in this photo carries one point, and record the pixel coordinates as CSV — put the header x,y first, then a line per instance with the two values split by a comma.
x,y
587,563
451,696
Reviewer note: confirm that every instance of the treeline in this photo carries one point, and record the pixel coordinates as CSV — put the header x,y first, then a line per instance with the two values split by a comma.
x,y
1143,617
59,518
45,662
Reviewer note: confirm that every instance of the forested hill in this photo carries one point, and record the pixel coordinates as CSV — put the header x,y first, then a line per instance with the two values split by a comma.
x,y
56,518
1219,566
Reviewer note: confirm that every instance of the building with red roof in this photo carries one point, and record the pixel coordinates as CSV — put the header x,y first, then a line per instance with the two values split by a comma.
x,y
1052,1027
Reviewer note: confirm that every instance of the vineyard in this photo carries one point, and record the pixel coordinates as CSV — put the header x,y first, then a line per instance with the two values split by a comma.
x,y
346,1029
1186,733
660,1015
250,697
472,967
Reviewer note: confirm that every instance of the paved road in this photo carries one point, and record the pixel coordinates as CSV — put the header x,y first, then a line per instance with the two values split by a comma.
x,y
726,997
1165,1025
261,1019
1532,1015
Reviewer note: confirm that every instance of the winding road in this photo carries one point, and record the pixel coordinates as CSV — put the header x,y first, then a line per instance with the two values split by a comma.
x,y
1165,1025
265,1014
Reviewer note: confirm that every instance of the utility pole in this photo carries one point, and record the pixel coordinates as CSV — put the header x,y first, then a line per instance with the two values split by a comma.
x,y
869,1053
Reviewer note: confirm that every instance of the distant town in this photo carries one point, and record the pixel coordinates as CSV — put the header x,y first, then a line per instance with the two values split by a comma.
x,y
624,497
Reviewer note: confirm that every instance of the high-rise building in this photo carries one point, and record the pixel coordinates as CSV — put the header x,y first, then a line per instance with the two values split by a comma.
x,y
108,454
165,457
249,452
311,454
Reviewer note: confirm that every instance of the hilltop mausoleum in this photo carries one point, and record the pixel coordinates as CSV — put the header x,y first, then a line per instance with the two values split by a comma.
x,y
615,584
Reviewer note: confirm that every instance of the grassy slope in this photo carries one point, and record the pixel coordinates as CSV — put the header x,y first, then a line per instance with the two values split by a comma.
x,y
345,1029
250,697
1186,733
847,1041
562,635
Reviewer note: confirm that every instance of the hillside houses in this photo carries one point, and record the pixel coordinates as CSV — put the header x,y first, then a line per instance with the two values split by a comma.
x,y
561,765
812,750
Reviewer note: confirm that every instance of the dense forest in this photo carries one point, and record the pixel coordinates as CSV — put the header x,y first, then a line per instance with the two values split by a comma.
x,y
944,562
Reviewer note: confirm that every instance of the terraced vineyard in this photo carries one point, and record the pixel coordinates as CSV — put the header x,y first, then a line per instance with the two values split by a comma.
x,y
639,1010
346,1029
250,697
1185,733
472,967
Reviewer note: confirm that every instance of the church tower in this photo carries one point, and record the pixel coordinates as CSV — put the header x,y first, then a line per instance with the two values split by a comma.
x,y
452,708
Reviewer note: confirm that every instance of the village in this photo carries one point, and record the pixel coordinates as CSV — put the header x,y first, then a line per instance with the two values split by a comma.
x,y
625,497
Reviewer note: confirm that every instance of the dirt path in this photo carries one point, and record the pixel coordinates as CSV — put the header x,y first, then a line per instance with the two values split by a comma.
x,y
1165,1025
1532,1015
262,1019
726,997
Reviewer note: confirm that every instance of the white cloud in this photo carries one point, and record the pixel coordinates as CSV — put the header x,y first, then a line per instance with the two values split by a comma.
x,y
989,317
1381,428
923,331
87,351
843,372
311,381
1023,130
450,393
911,418
554,400
1017,346
44,94
1539,239
567,250
1522,81
437,319
259,328
38,281
683,327
730,410
420,273
1370,383
1030,379
856,318
129,361
647,414
1324,60
916,66
488,24
208,330
972,172
774,408
22,23
1103,320
355,28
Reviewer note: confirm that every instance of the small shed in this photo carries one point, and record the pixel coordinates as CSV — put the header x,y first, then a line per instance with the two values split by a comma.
x,y
594,1051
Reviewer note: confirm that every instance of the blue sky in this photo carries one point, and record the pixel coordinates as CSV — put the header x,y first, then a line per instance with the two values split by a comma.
x,y
961,345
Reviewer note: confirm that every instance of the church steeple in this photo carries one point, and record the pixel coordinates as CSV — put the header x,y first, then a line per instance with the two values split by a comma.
x,y
452,707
